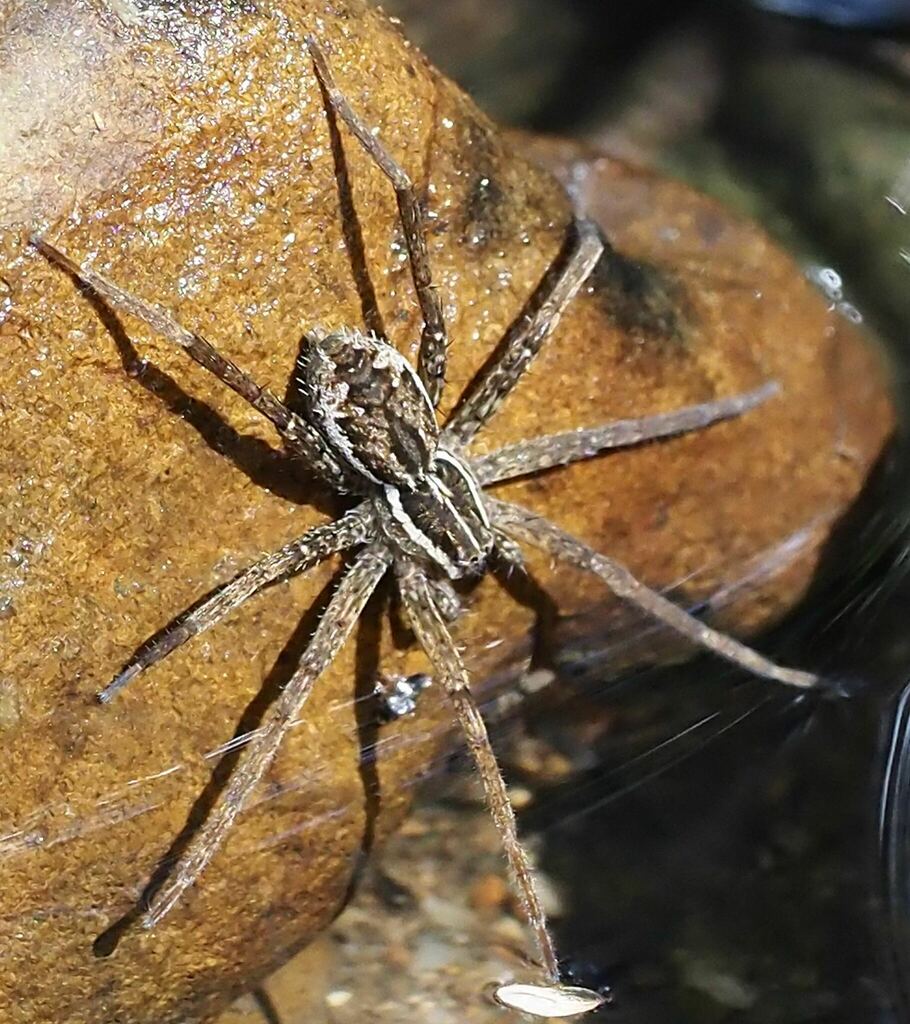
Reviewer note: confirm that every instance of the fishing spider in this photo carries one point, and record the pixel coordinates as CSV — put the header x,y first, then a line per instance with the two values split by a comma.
x,y
369,430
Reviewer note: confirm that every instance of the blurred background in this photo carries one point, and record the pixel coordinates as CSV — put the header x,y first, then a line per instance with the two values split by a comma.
x,y
713,849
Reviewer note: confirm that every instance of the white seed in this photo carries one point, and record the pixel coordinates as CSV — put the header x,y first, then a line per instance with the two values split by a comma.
x,y
338,997
548,1000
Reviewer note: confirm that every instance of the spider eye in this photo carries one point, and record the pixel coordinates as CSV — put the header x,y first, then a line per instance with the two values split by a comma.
x,y
369,404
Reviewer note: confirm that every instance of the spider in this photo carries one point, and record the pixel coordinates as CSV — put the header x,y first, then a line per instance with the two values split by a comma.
x,y
418,509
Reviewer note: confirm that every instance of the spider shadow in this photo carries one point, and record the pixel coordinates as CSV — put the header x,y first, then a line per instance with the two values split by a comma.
x,y
267,467
350,224
526,590
277,678
368,720
264,465
266,1006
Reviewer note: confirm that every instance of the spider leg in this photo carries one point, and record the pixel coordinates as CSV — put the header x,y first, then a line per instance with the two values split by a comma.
x,y
291,560
526,457
431,362
334,627
433,635
299,435
534,529
523,340
509,553
446,598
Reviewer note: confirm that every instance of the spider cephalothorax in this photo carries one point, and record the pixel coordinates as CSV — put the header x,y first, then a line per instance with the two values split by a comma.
x,y
368,429
378,421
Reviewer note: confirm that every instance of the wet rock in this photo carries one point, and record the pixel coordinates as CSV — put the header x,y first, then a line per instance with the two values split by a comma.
x,y
691,250
183,149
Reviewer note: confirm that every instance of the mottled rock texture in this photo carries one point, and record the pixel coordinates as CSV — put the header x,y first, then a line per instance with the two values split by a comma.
x,y
183,149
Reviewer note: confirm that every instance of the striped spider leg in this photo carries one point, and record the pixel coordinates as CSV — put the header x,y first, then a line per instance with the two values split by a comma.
x,y
369,429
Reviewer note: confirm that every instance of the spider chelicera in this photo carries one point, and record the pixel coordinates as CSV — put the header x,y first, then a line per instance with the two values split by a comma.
x,y
419,511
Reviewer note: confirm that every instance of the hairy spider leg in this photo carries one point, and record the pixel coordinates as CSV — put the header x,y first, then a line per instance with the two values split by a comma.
x,y
434,637
300,437
553,450
431,360
294,558
446,598
509,553
524,525
334,627
523,340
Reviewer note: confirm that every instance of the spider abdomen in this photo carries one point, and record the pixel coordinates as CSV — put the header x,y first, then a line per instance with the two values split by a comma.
x,y
442,521
370,406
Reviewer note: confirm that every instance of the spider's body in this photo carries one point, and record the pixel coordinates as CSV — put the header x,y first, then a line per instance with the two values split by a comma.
x,y
376,418
442,520
369,430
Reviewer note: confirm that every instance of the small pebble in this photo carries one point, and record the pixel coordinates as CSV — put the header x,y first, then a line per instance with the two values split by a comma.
x,y
537,758
489,892
550,896
720,985
432,953
520,797
538,679
414,828
338,997
398,956
511,931
447,914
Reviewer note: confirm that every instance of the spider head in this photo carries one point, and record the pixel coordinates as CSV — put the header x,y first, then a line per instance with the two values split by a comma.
x,y
369,405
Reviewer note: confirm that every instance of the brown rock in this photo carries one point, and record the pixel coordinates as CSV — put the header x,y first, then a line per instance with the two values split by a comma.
x,y
183,149
696,293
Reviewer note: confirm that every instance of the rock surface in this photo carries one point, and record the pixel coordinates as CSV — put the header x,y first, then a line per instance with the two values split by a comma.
x,y
183,149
